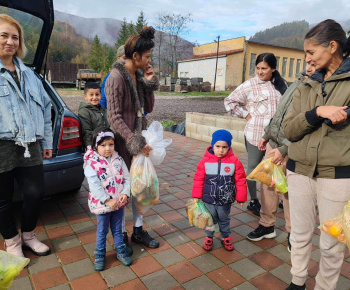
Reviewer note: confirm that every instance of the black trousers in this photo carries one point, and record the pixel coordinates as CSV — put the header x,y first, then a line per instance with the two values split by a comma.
x,y
31,183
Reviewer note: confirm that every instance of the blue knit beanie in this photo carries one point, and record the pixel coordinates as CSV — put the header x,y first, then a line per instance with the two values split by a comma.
x,y
221,135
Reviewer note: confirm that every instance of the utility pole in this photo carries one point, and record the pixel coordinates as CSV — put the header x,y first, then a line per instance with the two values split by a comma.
x,y
217,57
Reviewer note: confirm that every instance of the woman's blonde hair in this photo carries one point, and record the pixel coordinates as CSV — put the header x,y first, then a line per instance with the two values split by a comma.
x,y
4,18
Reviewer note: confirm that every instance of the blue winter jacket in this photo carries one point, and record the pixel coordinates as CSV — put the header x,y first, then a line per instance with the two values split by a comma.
x,y
24,116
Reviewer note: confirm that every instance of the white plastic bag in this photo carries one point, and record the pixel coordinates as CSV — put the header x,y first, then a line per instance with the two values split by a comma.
x,y
144,183
10,267
154,138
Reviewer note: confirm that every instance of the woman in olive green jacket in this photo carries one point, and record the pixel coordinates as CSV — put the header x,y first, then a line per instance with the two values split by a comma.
x,y
318,169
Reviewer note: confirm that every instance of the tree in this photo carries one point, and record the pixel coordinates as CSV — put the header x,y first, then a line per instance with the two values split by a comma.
x,y
107,58
159,37
140,23
123,34
131,29
96,55
175,26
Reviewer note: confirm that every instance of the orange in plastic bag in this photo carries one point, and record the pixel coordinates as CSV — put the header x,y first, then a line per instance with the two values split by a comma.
x,y
334,227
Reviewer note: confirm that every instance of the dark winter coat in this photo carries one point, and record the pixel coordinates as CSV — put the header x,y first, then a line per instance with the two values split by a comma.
x,y
91,117
126,107
220,180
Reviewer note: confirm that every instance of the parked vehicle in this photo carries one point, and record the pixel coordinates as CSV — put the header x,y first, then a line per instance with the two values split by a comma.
x,y
87,75
64,171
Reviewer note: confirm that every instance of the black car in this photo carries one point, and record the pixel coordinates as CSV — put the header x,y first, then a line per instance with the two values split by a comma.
x,y
64,171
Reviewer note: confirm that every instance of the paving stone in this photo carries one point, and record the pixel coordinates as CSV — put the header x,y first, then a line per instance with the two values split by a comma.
x,y
84,227
283,272
343,283
247,269
73,210
167,198
176,239
54,224
245,286
159,208
182,211
279,222
154,220
246,248
21,283
159,280
64,286
207,263
65,243
245,218
118,275
79,269
181,224
43,263
281,236
280,251
202,283
316,255
41,236
168,257
243,230
139,252
268,281
316,241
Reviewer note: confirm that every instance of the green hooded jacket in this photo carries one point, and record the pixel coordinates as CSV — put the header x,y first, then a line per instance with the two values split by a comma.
x,y
91,118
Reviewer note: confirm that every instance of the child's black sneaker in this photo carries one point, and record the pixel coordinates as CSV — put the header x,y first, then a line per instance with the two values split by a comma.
x,y
292,286
280,205
100,259
254,206
262,233
141,236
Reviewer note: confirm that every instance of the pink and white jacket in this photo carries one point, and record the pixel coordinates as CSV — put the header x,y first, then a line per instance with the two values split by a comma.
x,y
107,178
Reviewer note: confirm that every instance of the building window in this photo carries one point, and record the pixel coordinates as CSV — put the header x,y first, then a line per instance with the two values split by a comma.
x,y
304,66
291,67
284,67
252,64
298,67
278,63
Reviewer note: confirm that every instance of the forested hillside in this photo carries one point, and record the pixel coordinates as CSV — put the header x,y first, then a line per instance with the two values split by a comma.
x,y
288,34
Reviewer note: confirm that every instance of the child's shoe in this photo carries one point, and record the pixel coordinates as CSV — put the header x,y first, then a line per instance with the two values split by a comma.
x,y
208,244
100,259
30,241
122,255
227,243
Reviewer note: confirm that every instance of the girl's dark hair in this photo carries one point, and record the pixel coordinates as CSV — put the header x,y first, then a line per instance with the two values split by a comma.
x,y
140,42
278,82
327,31
95,134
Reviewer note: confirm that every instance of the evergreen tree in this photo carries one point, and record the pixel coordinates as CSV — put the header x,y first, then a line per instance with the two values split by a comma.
x,y
123,34
131,29
108,56
96,55
140,23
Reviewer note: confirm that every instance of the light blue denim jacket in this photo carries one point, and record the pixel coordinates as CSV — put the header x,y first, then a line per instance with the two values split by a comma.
x,y
24,116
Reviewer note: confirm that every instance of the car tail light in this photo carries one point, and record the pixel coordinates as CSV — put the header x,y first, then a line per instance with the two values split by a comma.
x,y
70,134
83,76
98,76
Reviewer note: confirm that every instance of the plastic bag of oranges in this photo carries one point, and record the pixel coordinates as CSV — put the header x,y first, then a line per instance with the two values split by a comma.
x,y
339,227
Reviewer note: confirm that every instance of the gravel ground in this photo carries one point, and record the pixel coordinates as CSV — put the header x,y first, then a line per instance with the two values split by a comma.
x,y
166,107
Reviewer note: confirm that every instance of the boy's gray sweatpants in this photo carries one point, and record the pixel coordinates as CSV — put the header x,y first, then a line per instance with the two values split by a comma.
x,y
221,216
305,195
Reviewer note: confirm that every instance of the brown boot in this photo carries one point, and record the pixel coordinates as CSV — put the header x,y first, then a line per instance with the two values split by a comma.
x,y
30,242
14,246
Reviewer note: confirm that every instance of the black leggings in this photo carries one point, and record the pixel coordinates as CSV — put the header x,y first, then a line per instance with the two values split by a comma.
x,y
31,184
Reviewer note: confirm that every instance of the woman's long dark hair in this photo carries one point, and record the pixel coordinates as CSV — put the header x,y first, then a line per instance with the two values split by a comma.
x,y
327,31
140,42
278,82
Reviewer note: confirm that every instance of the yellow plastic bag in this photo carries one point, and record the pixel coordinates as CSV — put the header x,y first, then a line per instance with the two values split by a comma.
x,y
199,216
270,174
339,227
10,267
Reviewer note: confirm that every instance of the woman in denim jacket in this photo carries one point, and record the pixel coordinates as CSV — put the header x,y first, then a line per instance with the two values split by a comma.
x,y
25,139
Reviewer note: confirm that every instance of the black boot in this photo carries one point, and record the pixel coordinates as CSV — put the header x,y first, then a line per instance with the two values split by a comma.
x,y
254,206
141,236
292,286
127,245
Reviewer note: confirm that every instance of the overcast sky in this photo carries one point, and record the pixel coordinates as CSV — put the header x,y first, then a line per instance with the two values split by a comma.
x,y
227,18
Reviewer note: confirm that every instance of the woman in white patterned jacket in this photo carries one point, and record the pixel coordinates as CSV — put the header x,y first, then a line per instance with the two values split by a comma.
x,y
256,101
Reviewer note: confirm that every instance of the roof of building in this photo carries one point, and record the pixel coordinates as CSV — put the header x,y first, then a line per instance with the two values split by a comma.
x,y
213,54
268,44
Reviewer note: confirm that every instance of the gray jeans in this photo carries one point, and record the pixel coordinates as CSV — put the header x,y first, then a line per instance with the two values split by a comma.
x,y
255,156
221,216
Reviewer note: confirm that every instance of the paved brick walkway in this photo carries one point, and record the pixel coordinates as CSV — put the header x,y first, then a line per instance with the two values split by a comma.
x,y
180,263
